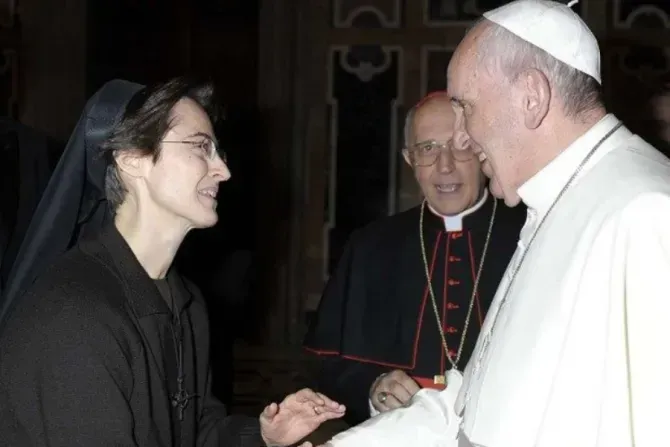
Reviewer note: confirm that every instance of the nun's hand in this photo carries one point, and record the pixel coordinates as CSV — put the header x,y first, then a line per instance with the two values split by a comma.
x,y
297,416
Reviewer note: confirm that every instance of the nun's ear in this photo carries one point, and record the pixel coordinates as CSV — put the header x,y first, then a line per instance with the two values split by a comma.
x,y
129,162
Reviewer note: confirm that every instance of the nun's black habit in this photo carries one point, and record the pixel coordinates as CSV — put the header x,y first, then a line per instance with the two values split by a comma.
x,y
89,353
25,168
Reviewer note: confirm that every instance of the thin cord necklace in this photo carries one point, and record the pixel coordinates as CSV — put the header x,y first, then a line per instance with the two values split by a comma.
x,y
487,337
440,379
181,397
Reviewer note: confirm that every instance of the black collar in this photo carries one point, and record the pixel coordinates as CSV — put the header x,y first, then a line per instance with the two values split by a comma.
x,y
141,291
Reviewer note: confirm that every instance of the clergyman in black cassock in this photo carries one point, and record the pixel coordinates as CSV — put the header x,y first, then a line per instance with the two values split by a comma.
x,y
376,318
107,347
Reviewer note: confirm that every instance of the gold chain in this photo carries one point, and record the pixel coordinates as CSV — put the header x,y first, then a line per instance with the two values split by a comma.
x,y
474,288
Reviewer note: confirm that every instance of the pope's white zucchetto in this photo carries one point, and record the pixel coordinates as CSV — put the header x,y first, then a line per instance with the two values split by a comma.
x,y
555,28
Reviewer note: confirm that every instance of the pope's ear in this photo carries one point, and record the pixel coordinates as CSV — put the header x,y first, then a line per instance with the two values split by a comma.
x,y
536,97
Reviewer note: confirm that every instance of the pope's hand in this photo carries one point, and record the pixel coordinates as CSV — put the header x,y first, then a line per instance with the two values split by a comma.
x,y
297,416
392,390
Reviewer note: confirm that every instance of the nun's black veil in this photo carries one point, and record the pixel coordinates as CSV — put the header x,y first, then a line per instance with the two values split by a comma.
x,y
73,203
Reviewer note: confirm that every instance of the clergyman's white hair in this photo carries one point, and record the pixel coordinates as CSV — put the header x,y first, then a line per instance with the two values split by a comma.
x,y
409,127
408,130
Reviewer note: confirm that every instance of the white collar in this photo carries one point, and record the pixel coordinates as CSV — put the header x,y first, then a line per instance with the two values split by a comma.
x,y
455,222
540,191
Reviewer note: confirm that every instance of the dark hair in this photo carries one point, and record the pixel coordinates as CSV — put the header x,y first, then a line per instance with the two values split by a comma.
x,y
146,120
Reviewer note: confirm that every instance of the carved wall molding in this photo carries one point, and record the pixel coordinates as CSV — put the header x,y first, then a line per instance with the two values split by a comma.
x,y
361,144
450,13
634,66
364,61
637,82
641,14
373,14
434,62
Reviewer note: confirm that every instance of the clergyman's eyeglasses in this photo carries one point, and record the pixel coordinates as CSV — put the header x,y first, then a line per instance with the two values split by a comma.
x,y
426,153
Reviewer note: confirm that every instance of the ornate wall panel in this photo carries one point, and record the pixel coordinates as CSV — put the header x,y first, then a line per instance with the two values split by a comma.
x,y
367,14
434,62
637,80
450,12
364,90
643,15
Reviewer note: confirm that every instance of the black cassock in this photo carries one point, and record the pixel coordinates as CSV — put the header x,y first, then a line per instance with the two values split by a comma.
x,y
91,356
376,313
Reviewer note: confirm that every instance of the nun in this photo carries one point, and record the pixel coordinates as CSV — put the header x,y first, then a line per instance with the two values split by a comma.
x,y
102,342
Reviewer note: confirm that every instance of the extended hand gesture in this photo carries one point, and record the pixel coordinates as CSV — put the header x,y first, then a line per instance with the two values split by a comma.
x,y
297,416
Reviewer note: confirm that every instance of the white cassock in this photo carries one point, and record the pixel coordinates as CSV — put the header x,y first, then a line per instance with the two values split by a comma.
x,y
579,352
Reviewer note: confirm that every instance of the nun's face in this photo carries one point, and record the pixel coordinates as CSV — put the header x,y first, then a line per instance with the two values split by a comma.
x,y
185,179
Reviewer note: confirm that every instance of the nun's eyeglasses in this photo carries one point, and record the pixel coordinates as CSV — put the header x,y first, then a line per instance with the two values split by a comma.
x,y
426,153
207,145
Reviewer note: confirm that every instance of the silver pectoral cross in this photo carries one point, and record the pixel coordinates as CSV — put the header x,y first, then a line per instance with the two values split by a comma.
x,y
181,398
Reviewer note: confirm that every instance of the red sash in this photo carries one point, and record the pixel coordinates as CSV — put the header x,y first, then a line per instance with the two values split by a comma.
x,y
425,382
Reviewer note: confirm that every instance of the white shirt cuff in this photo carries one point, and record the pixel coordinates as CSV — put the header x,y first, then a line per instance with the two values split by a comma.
x,y
428,421
373,411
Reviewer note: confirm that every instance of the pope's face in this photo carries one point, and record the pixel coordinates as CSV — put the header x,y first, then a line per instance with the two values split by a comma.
x,y
484,119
